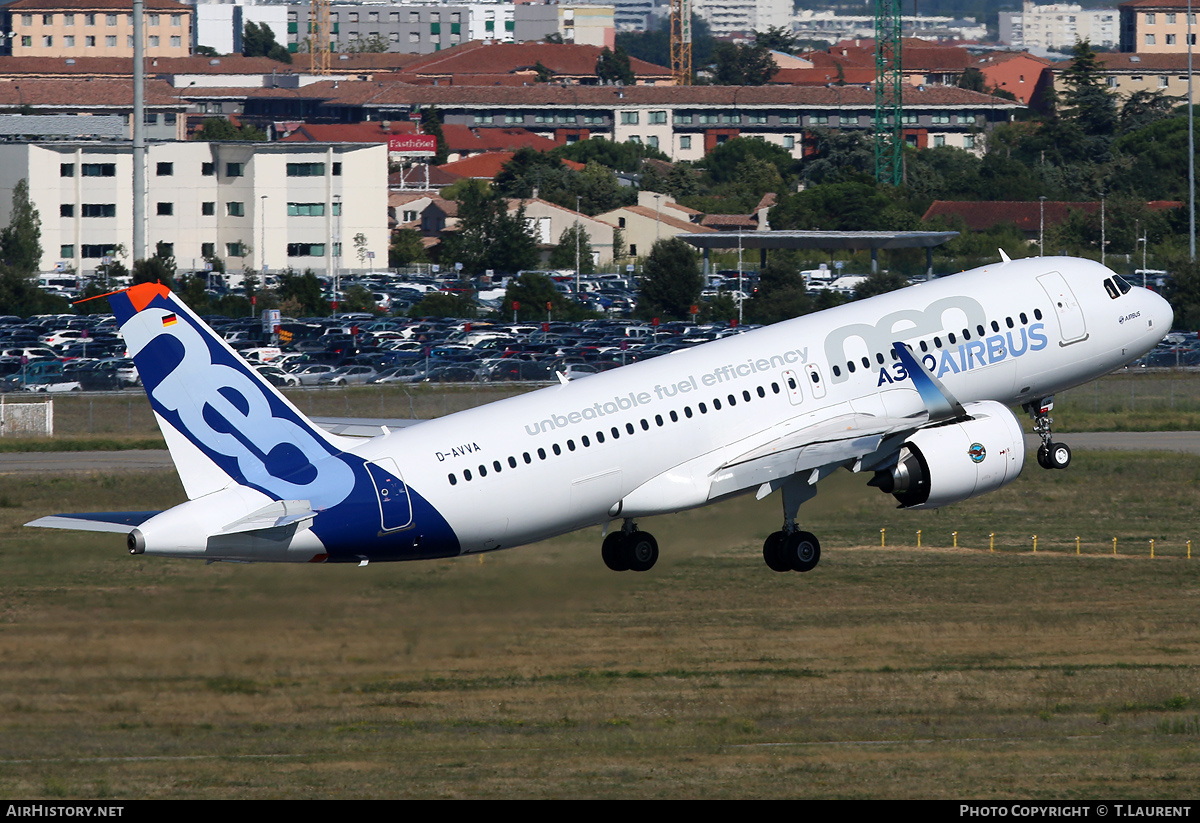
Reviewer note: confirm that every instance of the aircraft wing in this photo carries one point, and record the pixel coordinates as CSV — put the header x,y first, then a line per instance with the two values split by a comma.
x,y
865,440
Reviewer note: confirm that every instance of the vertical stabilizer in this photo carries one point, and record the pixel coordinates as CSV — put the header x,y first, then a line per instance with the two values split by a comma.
x,y
224,424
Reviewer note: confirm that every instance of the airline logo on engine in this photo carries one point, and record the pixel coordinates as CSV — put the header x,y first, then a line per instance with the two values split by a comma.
x,y
977,452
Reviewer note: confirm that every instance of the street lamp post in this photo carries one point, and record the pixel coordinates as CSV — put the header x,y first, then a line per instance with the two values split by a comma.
x,y
262,236
1041,227
578,198
335,251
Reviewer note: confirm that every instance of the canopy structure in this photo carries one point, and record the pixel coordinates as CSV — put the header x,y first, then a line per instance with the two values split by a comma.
x,y
849,240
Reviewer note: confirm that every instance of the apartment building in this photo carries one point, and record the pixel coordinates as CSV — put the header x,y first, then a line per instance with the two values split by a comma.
x,y
94,28
1057,26
684,122
1156,26
253,205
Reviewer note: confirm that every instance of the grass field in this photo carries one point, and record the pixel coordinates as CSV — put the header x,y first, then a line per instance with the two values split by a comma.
x,y
890,672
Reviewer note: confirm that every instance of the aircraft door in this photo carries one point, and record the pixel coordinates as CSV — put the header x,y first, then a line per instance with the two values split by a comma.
x,y
814,380
395,506
1070,315
791,384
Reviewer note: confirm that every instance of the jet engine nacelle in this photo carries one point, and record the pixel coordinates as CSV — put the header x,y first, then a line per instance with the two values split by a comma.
x,y
950,462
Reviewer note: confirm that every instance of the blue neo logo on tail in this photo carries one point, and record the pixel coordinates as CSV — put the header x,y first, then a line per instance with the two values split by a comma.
x,y
206,395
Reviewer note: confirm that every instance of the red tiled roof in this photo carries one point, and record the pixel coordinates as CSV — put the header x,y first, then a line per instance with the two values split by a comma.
x,y
464,139
481,166
371,131
84,94
823,77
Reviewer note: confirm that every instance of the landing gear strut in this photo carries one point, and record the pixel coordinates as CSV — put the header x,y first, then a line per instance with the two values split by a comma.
x,y
793,550
629,549
1050,455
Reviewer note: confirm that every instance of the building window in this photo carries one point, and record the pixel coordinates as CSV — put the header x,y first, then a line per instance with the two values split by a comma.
x,y
208,208
164,169
652,141
153,41
337,170
208,169
235,209
66,251
658,117
66,210
234,169
98,210
939,140
110,41
789,141
152,19
166,209
66,170
969,141
1150,19
685,142
26,40
629,118
306,210
176,41
96,250
110,20
47,41
1170,39
306,250
176,20
89,41
99,170
47,19
208,249
69,41
233,250
1149,39
305,169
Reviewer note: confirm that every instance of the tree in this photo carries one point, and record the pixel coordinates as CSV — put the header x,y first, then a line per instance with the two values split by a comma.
x,y
258,40
21,239
361,250
489,236
776,38
972,79
372,44
159,268
743,65
541,73
406,249
431,123
613,67
532,291
563,255
880,282
217,129
781,294
305,290
671,280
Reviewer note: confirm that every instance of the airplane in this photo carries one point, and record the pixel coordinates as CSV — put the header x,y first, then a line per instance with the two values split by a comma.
x,y
909,388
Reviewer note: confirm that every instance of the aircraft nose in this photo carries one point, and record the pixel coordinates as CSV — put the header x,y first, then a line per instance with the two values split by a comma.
x,y
1161,313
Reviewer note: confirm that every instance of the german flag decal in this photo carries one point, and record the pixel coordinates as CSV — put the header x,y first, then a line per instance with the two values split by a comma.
x,y
170,320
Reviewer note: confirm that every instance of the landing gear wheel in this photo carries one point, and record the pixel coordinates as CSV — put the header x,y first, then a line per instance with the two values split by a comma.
x,y
1043,456
613,552
773,553
802,550
1058,455
641,550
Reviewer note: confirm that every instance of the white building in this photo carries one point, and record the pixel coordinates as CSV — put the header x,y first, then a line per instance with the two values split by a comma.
x,y
250,204
726,17
810,24
1056,27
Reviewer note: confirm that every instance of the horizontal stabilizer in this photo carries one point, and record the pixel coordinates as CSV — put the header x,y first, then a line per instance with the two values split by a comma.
x,y
272,516
118,522
362,426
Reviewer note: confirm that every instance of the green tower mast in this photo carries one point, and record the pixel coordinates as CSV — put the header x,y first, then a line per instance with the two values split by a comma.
x,y
889,82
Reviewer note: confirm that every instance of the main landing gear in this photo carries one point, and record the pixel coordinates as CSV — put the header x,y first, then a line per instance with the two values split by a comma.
x,y
630,549
1050,455
793,550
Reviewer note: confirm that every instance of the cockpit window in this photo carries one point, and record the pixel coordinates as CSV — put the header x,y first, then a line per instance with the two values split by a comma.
x,y
1111,288
1122,284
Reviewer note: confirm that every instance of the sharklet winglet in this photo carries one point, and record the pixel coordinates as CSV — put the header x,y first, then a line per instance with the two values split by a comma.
x,y
940,402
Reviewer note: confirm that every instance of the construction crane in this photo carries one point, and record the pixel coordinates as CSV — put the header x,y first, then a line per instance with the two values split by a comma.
x,y
318,36
889,101
681,42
